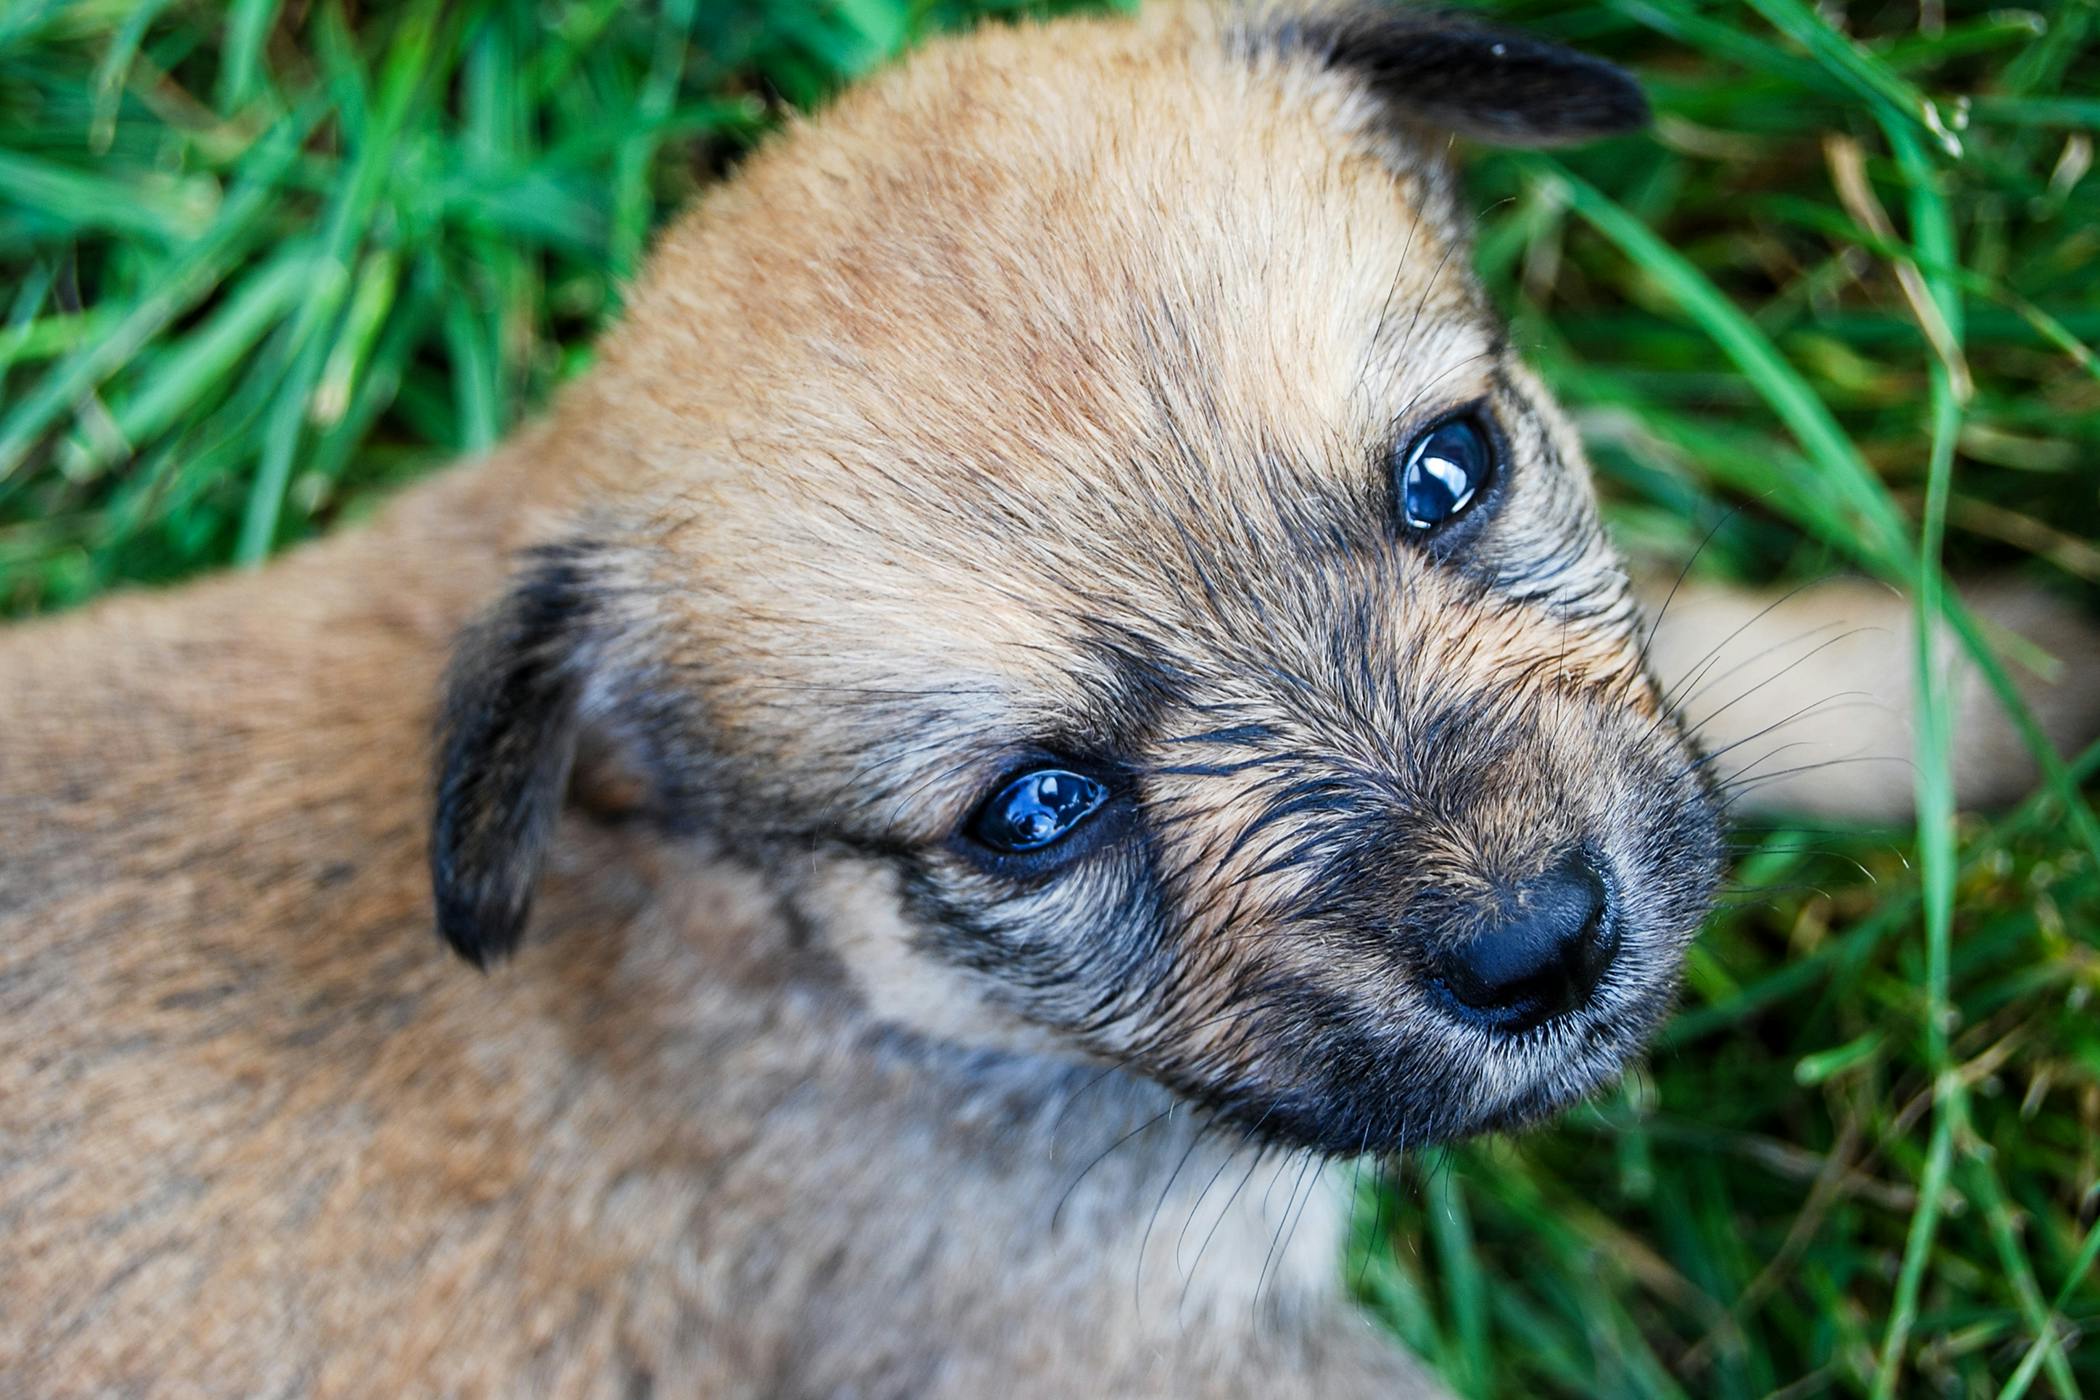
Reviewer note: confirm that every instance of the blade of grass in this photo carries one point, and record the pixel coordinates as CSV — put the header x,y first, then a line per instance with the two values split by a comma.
x,y
1934,782
181,379
631,207
2031,1364
247,30
22,318
1984,1187
22,21
407,70
1932,227
193,274
1450,1226
1863,71
84,202
115,68
2079,112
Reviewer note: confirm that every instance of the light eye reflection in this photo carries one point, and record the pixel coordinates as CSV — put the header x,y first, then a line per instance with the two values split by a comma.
x,y
1036,810
1444,471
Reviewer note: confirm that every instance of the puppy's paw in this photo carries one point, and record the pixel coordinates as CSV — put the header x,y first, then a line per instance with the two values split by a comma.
x,y
1804,700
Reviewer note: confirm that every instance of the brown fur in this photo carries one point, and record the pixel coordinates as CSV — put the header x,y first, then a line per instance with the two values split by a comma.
x,y
1040,386
264,1136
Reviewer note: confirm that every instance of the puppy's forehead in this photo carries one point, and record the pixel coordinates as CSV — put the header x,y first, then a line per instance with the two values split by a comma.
x,y
1063,269
1037,309
1036,247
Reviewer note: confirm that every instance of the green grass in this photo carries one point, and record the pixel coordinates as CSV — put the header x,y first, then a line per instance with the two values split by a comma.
x,y
262,261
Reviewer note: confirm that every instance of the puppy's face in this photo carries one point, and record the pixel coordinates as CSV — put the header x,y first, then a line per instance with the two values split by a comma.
x,y
1071,514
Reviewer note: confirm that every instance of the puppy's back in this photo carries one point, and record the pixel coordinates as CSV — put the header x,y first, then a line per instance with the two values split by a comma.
x,y
212,908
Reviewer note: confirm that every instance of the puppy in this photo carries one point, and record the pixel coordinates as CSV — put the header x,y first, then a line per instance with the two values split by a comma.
x,y
1057,677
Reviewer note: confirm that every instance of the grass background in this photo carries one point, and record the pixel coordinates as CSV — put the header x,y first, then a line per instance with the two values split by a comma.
x,y
260,261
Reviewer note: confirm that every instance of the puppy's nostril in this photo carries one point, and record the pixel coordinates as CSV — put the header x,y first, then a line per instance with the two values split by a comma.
x,y
1545,956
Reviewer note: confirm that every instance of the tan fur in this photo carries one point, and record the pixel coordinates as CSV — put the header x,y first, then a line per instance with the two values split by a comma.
x,y
982,367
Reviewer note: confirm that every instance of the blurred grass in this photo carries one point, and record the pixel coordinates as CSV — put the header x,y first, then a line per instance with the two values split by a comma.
x,y
261,261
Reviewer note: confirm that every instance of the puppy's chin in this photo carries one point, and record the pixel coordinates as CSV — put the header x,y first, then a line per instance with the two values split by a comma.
x,y
1522,1081
1346,1078
1502,1089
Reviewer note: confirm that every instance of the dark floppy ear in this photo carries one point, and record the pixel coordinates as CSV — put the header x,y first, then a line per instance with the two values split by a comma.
x,y
1446,70
507,737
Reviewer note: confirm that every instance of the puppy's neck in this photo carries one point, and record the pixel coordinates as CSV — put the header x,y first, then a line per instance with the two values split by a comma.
x,y
725,1024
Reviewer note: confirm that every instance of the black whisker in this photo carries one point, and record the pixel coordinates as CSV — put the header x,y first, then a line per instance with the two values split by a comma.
x,y
1058,1211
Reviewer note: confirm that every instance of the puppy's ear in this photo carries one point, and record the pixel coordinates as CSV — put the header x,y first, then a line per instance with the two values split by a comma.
x,y
508,734
1442,69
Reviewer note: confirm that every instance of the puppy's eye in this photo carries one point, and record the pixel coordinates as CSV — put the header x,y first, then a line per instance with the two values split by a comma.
x,y
1441,472
1037,809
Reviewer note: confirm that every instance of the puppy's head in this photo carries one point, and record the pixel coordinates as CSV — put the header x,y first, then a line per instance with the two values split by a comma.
x,y
1070,513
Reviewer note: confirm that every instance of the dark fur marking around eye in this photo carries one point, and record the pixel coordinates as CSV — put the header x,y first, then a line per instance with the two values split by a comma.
x,y
1445,70
1078,959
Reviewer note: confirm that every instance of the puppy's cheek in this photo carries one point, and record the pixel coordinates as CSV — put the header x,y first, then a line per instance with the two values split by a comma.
x,y
857,908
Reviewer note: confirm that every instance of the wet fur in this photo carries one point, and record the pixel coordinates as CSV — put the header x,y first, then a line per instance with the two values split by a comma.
x,y
978,418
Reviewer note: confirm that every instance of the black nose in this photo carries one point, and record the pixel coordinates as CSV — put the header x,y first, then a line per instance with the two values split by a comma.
x,y
1544,957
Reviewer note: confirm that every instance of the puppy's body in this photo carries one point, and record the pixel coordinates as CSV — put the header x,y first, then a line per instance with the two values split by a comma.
x,y
263,1136
1805,697
979,405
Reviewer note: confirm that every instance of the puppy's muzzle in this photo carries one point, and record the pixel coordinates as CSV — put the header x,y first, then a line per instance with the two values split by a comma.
x,y
1539,954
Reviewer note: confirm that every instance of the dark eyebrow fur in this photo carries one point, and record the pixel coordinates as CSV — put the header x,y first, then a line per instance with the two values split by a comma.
x,y
1139,681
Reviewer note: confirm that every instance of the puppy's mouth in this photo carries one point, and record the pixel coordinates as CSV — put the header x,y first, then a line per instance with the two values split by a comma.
x,y
1524,1014
1459,1076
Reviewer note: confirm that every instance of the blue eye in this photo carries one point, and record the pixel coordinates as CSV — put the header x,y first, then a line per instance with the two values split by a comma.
x,y
1443,471
1036,810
